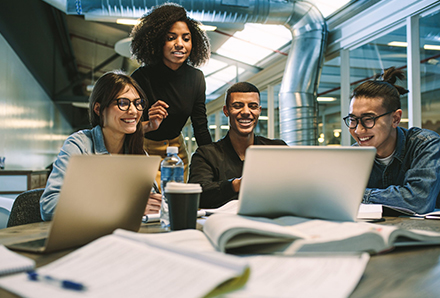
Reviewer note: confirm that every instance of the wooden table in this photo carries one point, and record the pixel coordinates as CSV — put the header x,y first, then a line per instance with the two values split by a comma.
x,y
39,230
403,272
406,271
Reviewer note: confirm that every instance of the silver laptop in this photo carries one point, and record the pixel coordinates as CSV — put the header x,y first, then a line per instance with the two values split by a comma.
x,y
305,181
100,193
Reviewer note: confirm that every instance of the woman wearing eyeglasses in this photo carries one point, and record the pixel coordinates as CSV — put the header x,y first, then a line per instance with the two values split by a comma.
x,y
115,109
169,45
406,171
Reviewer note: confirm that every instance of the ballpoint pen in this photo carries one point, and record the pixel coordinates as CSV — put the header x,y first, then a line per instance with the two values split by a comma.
x,y
65,284
156,188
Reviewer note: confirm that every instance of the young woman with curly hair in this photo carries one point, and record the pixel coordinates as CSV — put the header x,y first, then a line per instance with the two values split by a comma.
x,y
169,45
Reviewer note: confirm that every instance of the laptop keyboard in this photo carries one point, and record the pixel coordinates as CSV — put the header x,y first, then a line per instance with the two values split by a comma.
x,y
31,244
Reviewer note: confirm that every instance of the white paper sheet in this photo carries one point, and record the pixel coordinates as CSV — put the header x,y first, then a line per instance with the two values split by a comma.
x,y
12,262
155,217
302,276
116,267
370,211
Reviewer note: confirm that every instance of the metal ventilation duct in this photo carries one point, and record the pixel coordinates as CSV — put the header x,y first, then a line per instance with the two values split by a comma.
x,y
298,105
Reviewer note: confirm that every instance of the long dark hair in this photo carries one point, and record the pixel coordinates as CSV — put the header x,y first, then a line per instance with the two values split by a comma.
x,y
106,90
383,86
150,34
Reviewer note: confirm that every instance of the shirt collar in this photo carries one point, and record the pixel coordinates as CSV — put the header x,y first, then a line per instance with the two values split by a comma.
x,y
98,140
400,144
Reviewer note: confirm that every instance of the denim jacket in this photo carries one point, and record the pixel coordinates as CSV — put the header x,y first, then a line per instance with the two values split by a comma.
x,y
82,142
412,179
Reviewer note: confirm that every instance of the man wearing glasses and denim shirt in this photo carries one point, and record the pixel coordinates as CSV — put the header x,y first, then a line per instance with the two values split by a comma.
x,y
406,171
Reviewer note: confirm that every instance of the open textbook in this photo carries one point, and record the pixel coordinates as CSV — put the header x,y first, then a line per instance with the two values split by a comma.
x,y
117,266
301,275
404,211
288,235
365,212
186,264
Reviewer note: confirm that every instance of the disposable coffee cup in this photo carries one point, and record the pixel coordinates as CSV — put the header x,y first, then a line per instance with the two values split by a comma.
x,y
183,203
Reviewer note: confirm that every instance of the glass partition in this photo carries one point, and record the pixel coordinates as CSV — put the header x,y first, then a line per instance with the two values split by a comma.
x,y
261,128
276,105
430,70
381,53
329,104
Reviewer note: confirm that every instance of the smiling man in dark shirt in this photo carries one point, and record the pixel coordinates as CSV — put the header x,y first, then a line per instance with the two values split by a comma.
x,y
218,166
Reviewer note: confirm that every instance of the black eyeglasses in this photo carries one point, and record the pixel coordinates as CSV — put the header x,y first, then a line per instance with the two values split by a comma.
x,y
366,121
124,104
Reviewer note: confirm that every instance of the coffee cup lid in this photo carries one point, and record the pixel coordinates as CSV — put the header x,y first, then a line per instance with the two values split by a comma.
x,y
178,187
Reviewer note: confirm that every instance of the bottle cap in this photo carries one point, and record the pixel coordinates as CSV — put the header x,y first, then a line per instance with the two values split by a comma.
x,y
172,150
179,187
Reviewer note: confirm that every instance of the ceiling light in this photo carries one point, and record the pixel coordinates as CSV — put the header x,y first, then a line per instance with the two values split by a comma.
x,y
405,44
207,27
83,105
431,47
326,99
50,137
16,123
402,44
263,118
130,22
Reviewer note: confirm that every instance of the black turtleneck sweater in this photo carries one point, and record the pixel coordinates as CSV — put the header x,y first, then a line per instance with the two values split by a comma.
x,y
184,91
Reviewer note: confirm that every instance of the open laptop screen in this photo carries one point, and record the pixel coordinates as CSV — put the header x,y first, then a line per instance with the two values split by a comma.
x,y
305,181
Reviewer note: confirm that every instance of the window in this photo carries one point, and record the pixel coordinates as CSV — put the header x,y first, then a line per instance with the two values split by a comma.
x,y
329,104
430,70
383,52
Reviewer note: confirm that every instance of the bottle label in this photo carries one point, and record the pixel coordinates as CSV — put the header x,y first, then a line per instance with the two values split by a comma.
x,y
172,174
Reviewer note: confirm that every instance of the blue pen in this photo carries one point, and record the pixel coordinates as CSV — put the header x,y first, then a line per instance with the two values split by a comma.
x,y
65,284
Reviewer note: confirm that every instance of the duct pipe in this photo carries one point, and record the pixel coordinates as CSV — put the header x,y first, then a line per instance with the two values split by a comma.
x,y
297,98
298,105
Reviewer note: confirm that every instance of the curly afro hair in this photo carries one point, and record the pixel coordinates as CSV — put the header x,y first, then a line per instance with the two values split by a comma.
x,y
150,34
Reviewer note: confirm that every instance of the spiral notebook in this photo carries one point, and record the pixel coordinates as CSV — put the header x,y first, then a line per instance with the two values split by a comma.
x,y
11,262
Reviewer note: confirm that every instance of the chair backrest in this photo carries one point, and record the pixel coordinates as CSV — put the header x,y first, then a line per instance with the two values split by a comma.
x,y
26,208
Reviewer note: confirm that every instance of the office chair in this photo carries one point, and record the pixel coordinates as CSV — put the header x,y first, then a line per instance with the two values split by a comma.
x,y
26,208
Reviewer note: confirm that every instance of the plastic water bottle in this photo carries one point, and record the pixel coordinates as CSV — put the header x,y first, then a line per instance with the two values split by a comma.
x,y
171,169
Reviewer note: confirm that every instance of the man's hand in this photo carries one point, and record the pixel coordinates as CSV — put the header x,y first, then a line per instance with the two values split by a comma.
x,y
153,205
236,184
156,114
